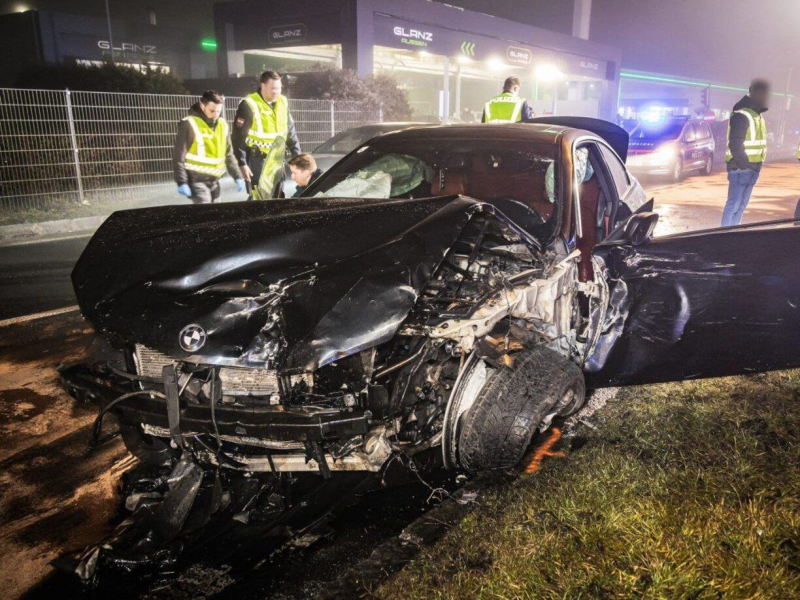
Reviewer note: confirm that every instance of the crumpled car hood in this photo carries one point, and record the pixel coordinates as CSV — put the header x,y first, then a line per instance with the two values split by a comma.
x,y
343,272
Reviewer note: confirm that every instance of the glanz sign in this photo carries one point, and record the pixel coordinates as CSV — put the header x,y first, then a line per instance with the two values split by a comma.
x,y
519,56
125,47
413,37
287,34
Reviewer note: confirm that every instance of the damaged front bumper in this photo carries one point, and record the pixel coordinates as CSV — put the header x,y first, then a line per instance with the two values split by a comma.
x,y
258,438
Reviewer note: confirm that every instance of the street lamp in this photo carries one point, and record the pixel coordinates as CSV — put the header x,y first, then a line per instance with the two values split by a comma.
x,y
110,36
788,102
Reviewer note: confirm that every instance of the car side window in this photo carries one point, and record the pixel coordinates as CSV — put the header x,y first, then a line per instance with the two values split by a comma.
x,y
618,172
689,134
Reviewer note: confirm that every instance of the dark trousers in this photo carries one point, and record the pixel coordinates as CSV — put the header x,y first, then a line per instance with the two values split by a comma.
x,y
204,190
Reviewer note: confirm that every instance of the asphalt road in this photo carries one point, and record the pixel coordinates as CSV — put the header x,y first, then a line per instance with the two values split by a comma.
x,y
35,276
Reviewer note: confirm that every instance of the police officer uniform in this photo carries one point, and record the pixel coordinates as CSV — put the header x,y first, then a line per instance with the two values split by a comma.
x,y
202,154
507,108
262,133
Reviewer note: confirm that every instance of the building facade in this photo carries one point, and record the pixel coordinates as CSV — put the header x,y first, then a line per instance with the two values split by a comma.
x,y
47,37
448,59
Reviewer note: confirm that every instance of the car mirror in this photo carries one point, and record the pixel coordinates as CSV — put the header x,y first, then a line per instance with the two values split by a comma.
x,y
797,210
639,228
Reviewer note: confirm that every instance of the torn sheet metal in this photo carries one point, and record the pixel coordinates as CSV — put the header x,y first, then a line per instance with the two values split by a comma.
x,y
328,277
703,304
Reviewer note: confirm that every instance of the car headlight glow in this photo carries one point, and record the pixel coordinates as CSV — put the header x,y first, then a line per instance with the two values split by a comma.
x,y
664,155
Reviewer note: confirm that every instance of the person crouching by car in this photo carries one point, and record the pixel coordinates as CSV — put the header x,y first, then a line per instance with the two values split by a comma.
x,y
203,151
304,172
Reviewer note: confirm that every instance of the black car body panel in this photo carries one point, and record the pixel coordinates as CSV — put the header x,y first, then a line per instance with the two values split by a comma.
x,y
344,272
703,304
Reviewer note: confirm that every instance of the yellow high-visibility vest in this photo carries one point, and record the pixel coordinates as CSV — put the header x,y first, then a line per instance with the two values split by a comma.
x,y
755,142
268,122
505,108
209,148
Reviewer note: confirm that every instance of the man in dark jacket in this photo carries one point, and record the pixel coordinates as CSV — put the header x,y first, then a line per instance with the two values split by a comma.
x,y
203,151
746,151
304,172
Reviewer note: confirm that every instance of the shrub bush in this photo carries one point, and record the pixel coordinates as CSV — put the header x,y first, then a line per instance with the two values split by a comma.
x,y
325,83
105,78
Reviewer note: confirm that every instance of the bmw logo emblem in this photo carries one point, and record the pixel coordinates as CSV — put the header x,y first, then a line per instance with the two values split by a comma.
x,y
192,338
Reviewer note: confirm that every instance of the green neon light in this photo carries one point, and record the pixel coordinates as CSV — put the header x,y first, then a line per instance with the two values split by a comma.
x,y
209,44
630,75
663,79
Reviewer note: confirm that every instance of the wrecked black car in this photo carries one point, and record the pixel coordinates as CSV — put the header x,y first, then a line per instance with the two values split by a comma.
x,y
437,297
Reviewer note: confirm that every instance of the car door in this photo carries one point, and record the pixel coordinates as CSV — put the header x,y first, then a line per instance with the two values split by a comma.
x,y
701,304
689,147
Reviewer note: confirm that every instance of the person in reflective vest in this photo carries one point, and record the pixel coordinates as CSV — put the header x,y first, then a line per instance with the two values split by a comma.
x,y
746,150
263,131
508,107
203,151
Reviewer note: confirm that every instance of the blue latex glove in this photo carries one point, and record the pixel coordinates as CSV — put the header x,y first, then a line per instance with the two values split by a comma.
x,y
185,190
240,186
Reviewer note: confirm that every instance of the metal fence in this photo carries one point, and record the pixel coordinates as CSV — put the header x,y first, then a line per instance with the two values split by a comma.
x,y
62,146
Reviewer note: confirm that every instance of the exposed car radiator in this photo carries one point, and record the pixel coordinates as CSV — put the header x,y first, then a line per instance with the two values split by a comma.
x,y
236,381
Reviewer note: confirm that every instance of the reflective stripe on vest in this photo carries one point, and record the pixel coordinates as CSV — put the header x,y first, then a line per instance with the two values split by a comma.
x,y
268,123
505,108
209,148
755,142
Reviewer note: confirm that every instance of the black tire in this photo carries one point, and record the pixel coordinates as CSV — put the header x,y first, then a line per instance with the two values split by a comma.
x,y
497,429
149,450
677,171
708,166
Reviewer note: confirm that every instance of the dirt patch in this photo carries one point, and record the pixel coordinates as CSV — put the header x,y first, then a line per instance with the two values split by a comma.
x,y
21,404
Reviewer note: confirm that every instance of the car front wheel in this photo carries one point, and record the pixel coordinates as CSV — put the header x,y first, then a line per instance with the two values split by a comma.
x,y
497,429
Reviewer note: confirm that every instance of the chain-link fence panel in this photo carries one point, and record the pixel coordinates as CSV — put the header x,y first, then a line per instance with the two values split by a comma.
x,y
59,146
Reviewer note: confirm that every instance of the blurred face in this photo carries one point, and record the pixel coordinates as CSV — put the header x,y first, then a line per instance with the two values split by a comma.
x,y
300,176
761,97
271,89
211,110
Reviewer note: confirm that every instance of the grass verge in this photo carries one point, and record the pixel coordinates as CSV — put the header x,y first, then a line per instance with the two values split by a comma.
x,y
688,490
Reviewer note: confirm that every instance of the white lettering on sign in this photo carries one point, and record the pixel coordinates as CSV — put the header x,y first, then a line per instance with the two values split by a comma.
x,y
590,65
414,34
126,47
288,33
518,55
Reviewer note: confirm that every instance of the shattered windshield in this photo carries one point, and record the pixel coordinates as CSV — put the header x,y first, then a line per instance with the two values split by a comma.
x,y
509,171
347,141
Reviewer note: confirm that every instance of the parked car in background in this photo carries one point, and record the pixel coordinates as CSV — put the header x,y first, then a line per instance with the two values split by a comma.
x,y
672,147
330,152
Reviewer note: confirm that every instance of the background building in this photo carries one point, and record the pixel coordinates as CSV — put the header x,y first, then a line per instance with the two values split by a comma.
x,y
448,59
34,37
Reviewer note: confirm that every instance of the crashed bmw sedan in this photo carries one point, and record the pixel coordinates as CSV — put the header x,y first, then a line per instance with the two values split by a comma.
x,y
437,297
